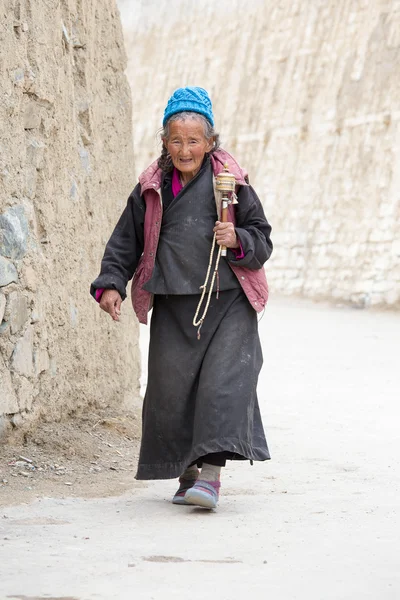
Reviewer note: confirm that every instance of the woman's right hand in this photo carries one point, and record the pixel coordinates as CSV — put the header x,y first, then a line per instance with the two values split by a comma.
x,y
110,302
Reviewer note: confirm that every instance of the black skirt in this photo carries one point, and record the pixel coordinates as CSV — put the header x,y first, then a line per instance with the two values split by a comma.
x,y
201,394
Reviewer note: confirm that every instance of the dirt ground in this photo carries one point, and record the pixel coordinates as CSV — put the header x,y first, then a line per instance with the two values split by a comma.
x,y
320,521
91,455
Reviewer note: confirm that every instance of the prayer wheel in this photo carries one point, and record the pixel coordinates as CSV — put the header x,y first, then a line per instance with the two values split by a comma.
x,y
225,183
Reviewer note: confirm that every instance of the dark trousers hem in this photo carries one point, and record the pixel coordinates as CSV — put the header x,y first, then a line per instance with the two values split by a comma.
x,y
172,470
217,459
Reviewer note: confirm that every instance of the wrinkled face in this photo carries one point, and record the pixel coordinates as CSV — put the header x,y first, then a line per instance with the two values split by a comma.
x,y
187,146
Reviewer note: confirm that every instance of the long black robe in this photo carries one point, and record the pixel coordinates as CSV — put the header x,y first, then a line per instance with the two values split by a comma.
x,y
201,394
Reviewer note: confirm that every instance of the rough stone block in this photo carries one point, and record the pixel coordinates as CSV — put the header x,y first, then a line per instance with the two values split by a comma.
x,y
30,181
381,287
2,306
19,76
19,311
85,159
14,233
36,316
5,427
65,34
393,296
4,327
35,152
323,262
396,247
41,360
32,116
85,137
17,420
380,235
22,358
73,192
30,279
73,314
53,367
294,285
24,392
8,272
8,398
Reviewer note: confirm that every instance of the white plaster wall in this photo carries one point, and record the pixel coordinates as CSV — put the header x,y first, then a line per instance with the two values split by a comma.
x,y
307,96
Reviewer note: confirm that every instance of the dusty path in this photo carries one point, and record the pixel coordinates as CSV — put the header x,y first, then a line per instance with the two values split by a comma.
x,y
318,522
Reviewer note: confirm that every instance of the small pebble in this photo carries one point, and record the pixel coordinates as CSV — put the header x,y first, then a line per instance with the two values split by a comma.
x,y
28,460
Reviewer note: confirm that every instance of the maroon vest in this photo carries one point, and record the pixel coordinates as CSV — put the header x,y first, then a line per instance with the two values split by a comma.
x,y
253,282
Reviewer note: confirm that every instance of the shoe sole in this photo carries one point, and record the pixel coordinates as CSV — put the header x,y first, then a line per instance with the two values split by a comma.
x,y
198,498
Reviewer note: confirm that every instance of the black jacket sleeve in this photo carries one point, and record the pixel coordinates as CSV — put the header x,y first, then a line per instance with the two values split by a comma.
x,y
124,248
252,229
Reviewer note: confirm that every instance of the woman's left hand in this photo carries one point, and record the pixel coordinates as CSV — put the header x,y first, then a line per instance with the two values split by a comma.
x,y
226,235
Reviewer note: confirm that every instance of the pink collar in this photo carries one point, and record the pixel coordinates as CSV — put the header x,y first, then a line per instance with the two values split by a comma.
x,y
176,182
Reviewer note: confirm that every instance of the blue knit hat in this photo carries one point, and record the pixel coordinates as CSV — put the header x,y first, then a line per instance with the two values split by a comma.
x,y
193,99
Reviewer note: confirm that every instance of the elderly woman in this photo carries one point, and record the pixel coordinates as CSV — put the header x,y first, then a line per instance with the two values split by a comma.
x,y
200,407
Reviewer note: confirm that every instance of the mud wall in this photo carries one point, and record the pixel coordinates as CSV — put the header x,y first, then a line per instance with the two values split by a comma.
x,y
307,96
66,169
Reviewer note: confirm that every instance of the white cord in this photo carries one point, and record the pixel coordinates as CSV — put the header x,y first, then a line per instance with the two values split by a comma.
x,y
198,323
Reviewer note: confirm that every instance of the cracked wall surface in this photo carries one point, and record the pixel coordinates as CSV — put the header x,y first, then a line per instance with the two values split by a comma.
x,y
307,95
66,170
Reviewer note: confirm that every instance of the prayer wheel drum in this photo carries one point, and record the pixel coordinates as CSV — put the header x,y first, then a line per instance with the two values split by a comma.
x,y
225,183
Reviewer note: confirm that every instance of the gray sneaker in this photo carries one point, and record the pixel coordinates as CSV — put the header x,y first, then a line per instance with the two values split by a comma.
x,y
203,493
185,485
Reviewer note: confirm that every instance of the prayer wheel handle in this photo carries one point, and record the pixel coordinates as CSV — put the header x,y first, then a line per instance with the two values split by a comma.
x,y
225,183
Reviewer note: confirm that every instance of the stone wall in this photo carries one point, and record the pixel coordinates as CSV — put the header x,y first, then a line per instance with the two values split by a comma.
x,y
66,169
307,96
